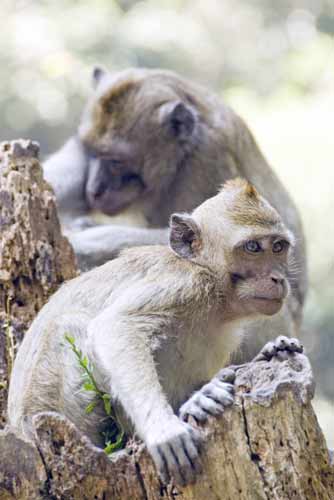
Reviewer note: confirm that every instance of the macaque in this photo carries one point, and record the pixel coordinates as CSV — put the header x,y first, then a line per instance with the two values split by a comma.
x,y
150,143
158,323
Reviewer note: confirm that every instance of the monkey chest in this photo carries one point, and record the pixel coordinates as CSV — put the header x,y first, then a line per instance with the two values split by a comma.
x,y
196,353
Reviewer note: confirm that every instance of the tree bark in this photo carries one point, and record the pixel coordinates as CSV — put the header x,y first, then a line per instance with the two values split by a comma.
x,y
34,256
268,445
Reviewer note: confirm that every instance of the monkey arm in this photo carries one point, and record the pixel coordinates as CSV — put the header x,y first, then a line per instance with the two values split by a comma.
x,y
120,344
94,246
66,172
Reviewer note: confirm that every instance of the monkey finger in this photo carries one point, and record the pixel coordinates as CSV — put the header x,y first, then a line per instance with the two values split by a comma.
x,y
270,350
160,463
186,464
267,352
210,405
224,386
294,345
282,342
174,468
194,411
192,454
226,375
222,393
197,437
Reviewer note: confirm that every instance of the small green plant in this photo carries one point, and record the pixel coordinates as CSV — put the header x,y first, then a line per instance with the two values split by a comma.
x,y
114,437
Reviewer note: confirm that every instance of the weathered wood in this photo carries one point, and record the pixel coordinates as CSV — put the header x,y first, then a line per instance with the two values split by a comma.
x,y
267,446
34,256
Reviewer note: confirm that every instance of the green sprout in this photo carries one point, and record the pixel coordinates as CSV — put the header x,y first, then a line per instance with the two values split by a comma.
x,y
114,436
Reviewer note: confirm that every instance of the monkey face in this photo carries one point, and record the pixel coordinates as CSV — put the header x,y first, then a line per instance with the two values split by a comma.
x,y
258,274
136,130
242,240
112,184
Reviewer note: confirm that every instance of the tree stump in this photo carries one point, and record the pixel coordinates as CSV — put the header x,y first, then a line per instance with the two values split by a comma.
x,y
34,256
268,446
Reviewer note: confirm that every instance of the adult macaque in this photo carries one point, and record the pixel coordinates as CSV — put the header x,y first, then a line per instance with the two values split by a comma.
x,y
149,144
159,322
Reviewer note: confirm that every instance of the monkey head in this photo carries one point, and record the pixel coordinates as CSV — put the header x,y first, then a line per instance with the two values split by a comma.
x,y
241,238
137,128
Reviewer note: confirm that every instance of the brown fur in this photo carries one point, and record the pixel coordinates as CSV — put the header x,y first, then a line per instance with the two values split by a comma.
x,y
173,166
248,209
108,112
156,324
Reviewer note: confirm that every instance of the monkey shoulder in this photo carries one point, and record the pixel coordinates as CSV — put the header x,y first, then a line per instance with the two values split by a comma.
x,y
167,278
149,278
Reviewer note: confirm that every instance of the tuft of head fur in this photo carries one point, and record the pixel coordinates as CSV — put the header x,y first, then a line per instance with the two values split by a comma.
x,y
246,207
240,202
242,185
108,109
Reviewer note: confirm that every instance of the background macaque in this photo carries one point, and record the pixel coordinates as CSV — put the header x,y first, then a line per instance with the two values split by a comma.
x,y
159,322
151,143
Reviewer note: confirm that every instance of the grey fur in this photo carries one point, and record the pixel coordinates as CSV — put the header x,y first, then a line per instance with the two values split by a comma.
x,y
157,324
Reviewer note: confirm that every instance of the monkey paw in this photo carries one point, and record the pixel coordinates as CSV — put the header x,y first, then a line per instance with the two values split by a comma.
x,y
211,399
279,348
175,451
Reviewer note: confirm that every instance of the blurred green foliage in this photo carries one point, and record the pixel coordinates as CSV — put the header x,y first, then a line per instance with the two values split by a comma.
x,y
47,50
273,61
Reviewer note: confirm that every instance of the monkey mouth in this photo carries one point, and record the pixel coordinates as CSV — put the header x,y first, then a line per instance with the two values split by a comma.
x,y
269,299
267,305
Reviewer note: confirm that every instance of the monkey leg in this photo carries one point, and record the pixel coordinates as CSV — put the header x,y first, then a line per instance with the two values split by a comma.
x,y
211,399
280,347
74,400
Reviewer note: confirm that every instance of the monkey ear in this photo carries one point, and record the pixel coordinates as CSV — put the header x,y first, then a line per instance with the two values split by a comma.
x,y
179,118
97,74
185,236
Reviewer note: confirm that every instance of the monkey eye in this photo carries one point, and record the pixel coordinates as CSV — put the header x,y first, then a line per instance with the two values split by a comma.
x,y
279,246
236,277
252,246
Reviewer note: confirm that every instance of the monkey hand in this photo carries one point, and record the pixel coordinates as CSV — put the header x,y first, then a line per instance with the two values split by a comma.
x,y
79,224
95,245
211,399
280,348
175,451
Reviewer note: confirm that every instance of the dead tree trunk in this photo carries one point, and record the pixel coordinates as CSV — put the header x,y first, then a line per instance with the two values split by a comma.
x,y
267,446
34,256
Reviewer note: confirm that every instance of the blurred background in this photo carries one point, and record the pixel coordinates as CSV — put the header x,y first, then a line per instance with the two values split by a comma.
x,y
273,62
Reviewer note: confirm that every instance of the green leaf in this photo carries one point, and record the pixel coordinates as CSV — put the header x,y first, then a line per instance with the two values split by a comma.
x,y
114,437
90,407
70,339
107,404
117,445
88,386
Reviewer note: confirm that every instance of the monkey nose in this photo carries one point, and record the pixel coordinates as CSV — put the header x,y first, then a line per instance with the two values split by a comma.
x,y
97,192
280,284
277,279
